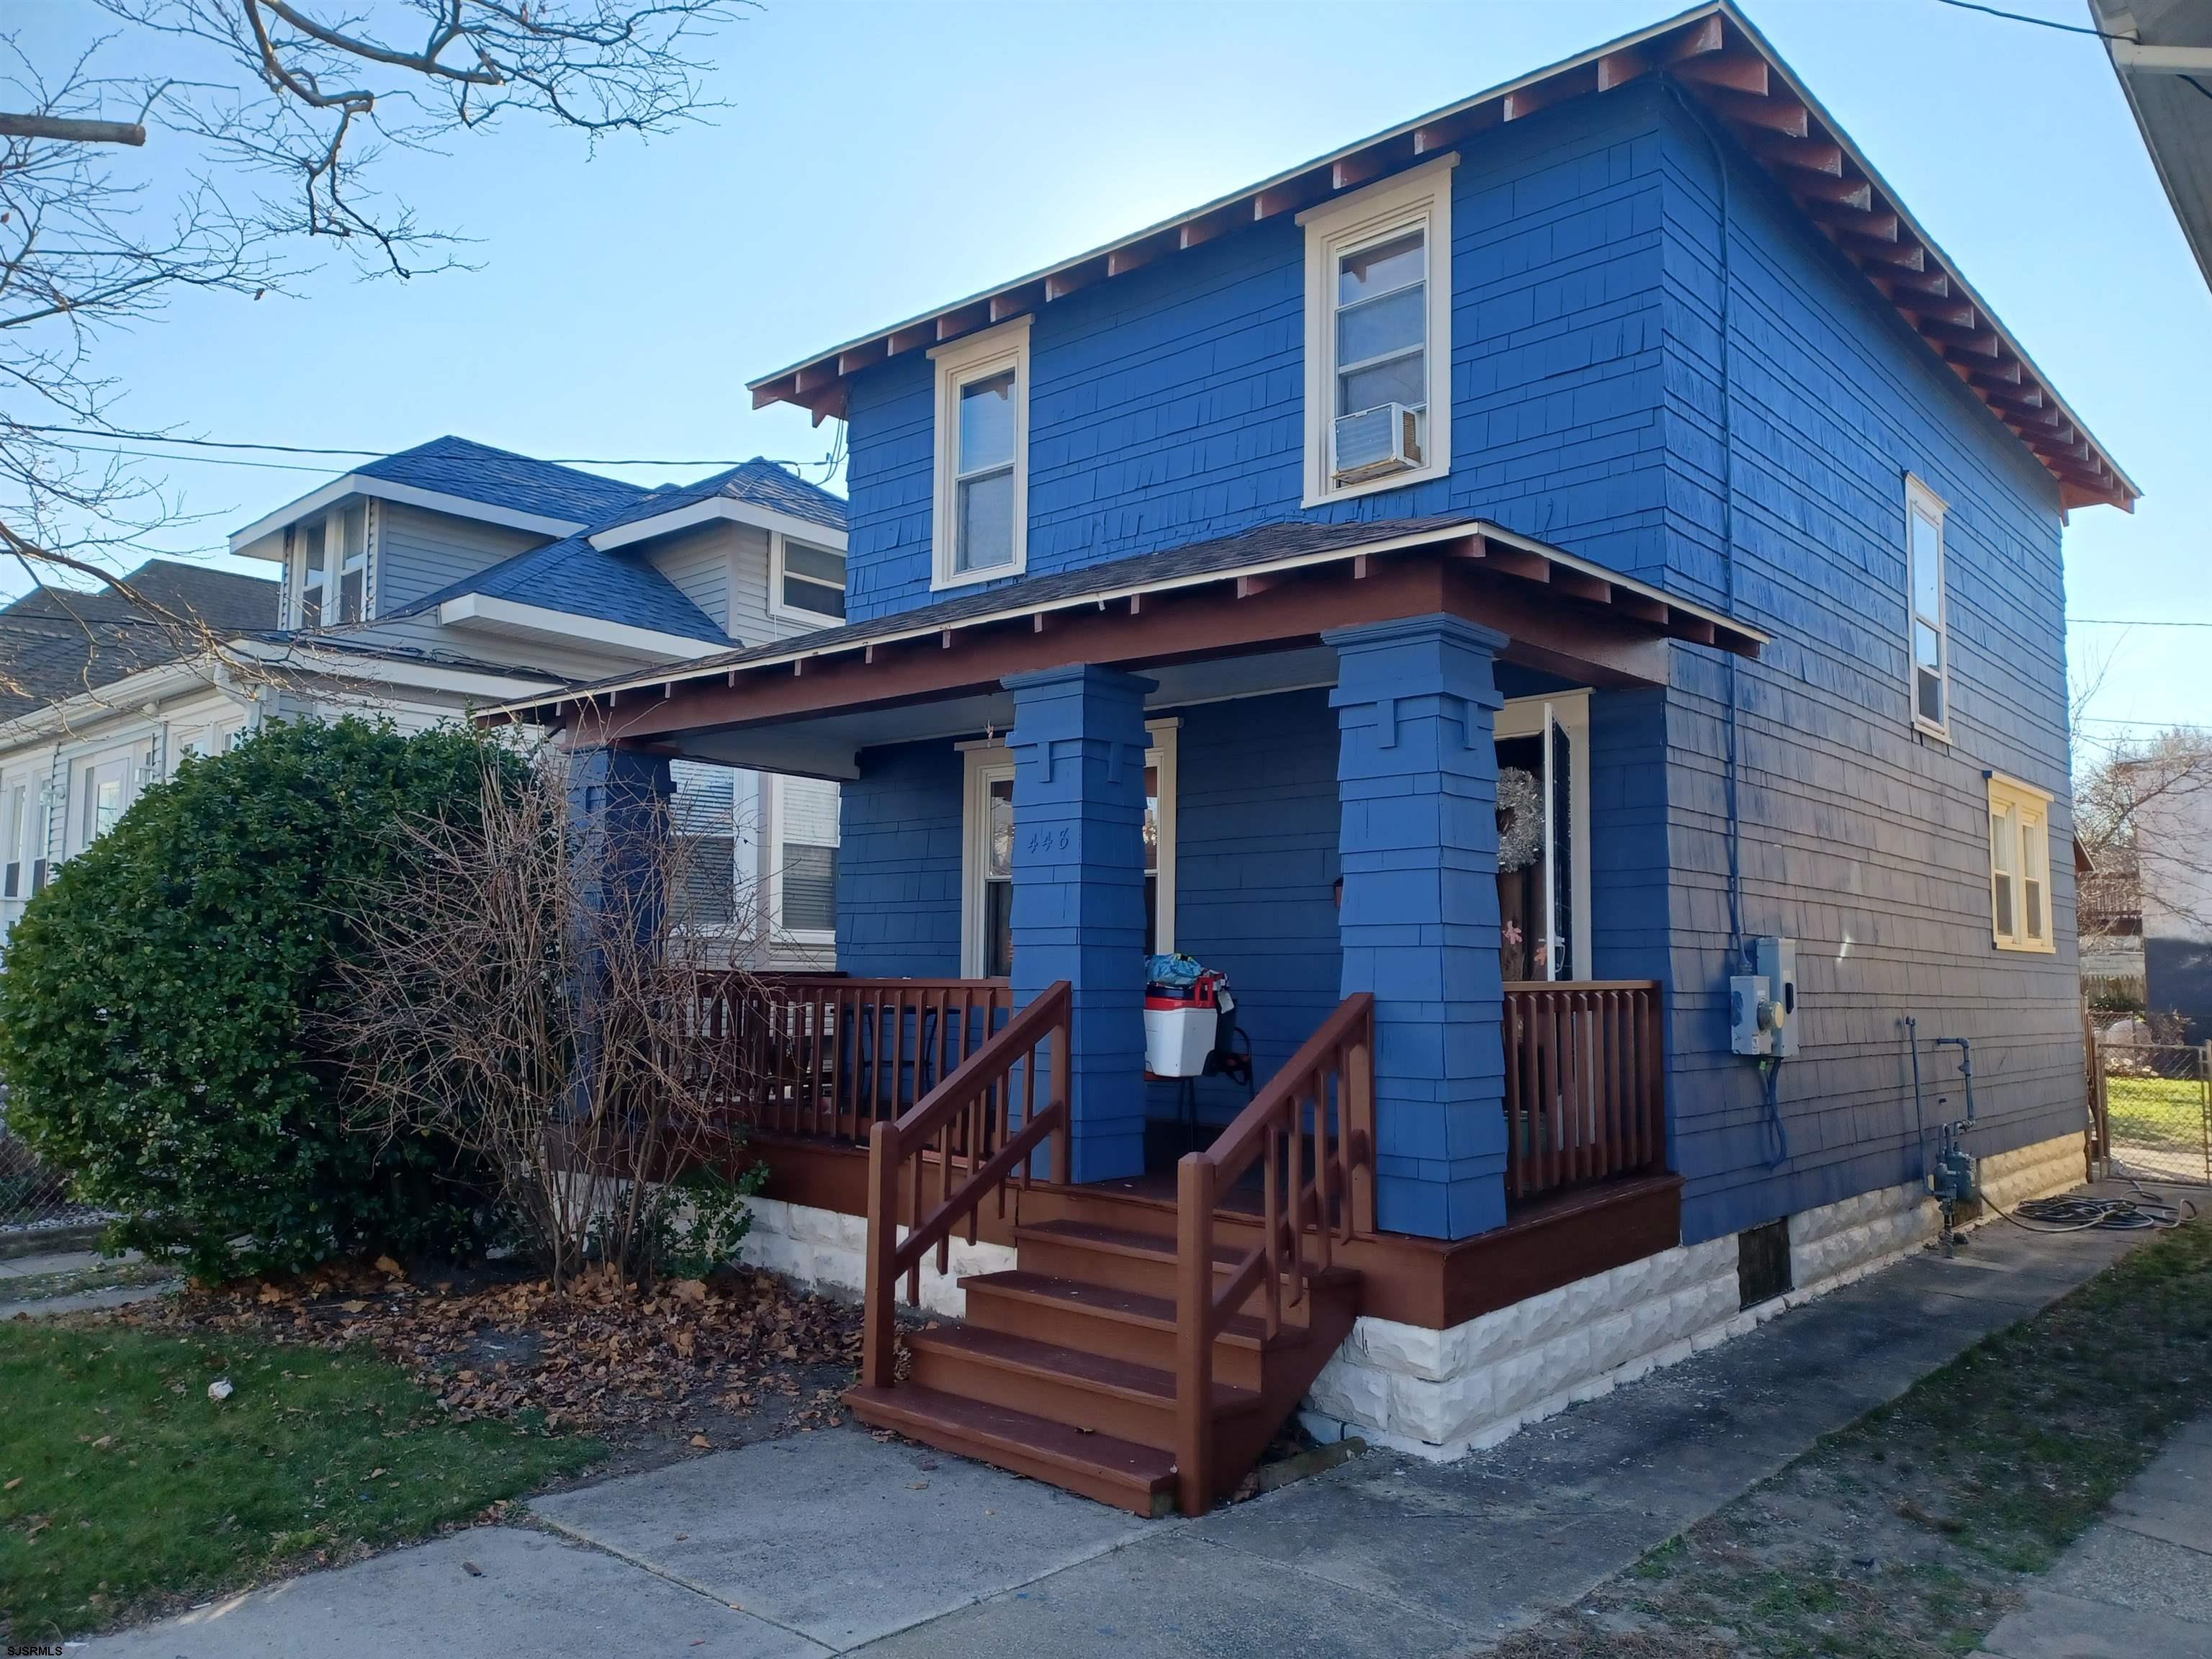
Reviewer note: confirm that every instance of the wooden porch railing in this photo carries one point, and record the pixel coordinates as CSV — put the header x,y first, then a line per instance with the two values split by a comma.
x,y
823,1056
967,1126
1312,1132
1584,1099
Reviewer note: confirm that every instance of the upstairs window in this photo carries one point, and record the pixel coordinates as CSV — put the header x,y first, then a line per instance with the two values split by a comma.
x,y
808,582
330,568
2019,866
1930,643
1378,336
981,501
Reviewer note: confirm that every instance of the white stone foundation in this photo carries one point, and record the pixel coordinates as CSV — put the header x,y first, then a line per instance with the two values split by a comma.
x,y
1441,1394
825,1250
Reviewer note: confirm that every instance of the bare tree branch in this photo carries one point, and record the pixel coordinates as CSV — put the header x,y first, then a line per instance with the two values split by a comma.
x,y
276,114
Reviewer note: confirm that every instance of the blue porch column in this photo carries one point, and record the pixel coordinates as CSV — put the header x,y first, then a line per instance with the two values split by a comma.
x,y
618,808
1417,783
1079,903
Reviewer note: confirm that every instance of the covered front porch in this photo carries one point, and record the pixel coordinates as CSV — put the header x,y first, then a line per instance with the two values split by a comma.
x,y
1397,781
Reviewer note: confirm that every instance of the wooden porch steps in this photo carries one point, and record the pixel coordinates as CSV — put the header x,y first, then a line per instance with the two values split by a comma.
x,y
1064,1370
1098,1465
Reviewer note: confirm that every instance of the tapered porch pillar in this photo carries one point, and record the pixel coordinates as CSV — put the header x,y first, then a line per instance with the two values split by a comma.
x,y
1079,905
1417,781
618,808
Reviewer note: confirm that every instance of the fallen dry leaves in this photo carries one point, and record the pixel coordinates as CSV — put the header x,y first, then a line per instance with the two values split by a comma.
x,y
594,1357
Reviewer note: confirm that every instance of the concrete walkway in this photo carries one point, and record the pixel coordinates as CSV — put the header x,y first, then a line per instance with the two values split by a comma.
x,y
2137,1585
836,1542
27,1283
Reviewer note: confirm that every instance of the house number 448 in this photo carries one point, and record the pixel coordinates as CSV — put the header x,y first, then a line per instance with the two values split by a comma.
x,y
1051,841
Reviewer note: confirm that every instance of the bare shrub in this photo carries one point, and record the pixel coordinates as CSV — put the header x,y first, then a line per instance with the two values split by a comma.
x,y
529,993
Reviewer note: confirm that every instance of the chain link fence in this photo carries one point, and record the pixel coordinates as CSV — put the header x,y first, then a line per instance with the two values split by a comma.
x,y
34,1199
2157,1107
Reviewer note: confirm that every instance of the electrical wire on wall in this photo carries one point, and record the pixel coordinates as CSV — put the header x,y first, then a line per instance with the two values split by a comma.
x,y
1770,1070
1729,735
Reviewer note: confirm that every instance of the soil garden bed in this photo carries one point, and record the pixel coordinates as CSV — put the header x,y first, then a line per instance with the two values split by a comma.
x,y
694,1366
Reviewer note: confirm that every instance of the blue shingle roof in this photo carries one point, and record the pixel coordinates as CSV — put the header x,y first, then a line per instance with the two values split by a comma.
x,y
500,478
571,575
759,481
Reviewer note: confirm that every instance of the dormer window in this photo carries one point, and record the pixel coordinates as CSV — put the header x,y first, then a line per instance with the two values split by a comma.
x,y
982,504
330,568
1378,336
806,583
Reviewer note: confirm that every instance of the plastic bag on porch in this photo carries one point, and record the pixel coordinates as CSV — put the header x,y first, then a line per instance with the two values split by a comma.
x,y
1177,970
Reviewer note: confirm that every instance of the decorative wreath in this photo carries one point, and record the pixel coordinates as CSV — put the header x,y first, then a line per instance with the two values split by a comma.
x,y
1520,818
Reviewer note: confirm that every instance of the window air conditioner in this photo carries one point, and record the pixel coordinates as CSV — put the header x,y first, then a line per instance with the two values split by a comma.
x,y
1385,439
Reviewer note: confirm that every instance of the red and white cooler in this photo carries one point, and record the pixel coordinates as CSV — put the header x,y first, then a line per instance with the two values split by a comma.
x,y
1180,1024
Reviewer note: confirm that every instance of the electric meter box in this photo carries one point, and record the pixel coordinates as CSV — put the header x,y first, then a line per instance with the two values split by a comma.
x,y
1750,1016
1776,959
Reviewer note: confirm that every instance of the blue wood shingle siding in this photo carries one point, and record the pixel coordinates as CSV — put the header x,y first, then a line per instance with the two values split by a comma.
x,y
898,865
1866,841
1167,405
1586,366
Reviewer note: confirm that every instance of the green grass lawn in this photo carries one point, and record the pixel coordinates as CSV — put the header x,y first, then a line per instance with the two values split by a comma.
x,y
2161,1112
124,1487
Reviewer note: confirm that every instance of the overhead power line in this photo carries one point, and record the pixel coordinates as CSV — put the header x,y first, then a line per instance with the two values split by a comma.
x,y
2132,622
2040,23
306,449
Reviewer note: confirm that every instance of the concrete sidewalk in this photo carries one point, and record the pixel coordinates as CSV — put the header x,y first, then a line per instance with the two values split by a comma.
x,y
836,1542
2137,1585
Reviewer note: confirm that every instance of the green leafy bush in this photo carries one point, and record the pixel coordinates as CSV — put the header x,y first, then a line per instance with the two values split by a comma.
x,y
160,1003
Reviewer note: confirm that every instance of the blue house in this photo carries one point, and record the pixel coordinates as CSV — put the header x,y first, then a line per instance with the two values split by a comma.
x,y
1560,603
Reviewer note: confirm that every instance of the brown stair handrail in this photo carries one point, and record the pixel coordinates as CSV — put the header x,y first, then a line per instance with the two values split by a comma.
x,y
966,1124
1310,1173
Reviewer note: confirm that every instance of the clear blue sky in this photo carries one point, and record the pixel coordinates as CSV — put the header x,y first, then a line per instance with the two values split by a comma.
x,y
875,159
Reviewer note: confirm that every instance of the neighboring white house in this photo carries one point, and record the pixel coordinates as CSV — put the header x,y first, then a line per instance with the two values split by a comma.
x,y
443,579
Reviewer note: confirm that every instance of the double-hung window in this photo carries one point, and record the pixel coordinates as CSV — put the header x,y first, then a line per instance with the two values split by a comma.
x,y
981,501
2019,866
807,583
330,568
1931,644
102,789
803,859
20,845
1378,336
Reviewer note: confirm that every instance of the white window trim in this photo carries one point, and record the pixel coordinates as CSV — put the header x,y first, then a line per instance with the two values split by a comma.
x,y
2030,803
802,936
977,357
1162,753
776,607
135,757
1920,499
1420,196
30,849
984,763
1524,717
332,522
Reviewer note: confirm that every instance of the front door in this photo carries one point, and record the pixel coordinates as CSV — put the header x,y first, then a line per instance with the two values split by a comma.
x,y
1543,836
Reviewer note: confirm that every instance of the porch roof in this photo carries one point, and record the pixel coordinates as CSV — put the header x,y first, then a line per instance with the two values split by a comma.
x,y
1266,588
